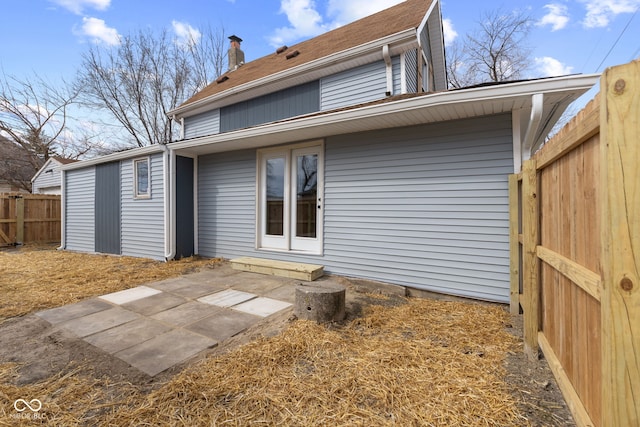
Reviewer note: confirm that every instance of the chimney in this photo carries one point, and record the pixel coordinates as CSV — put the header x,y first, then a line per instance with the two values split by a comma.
x,y
236,55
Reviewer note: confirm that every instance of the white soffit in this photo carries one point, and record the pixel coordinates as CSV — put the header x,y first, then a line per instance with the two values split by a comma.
x,y
437,107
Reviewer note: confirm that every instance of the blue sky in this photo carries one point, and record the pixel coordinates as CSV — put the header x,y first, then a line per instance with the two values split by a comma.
x,y
48,37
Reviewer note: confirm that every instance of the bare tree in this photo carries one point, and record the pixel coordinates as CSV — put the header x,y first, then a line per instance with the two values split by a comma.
x,y
33,120
147,75
496,51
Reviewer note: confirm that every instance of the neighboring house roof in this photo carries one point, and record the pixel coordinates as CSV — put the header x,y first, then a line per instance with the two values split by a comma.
x,y
404,17
47,165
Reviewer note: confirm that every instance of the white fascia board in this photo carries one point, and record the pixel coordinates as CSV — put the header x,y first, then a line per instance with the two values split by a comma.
x,y
122,155
397,43
521,90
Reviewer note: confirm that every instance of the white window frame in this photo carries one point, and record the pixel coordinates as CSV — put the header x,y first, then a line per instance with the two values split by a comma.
x,y
289,242
136,193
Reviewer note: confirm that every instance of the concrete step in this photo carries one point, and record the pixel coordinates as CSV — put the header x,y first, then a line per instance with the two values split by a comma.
x,y
293,270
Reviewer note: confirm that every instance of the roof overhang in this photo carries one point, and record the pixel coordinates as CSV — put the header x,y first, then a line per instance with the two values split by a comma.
x,y
120,155
558,92
310,71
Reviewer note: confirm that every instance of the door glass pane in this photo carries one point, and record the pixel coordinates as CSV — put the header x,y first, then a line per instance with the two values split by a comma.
x,y
306,195
275,197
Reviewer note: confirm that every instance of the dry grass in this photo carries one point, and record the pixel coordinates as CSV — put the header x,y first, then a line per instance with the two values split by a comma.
x,y
36,278
424,363
427,363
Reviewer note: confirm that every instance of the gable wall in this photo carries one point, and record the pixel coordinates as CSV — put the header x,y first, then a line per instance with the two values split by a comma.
x,y
423,206
47,180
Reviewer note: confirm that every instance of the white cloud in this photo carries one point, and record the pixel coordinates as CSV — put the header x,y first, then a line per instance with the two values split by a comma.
x,y
77,6
601,12
549,66
186,35
306,21
98,31
450,34
557,17
345,11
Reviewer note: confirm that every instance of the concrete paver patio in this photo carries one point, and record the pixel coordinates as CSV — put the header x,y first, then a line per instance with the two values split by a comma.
x,y
161,324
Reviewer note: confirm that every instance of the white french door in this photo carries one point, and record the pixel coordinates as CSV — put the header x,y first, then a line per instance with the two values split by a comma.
x,y
290,198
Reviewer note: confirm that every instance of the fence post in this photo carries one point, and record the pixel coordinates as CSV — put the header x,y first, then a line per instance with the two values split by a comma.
x,y
620,301
514,244
530,266
19,220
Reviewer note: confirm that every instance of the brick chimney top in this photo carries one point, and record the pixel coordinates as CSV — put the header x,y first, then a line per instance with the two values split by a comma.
x,y
236,55
235,39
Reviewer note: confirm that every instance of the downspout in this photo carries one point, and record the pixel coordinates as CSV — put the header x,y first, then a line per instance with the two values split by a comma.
x,y
537,104
181,135
389,69
168,169
63,212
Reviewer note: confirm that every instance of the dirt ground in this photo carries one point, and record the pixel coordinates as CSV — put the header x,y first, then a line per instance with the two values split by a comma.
x,y
34,362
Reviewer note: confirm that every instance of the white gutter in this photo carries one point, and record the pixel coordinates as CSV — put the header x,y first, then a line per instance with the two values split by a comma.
x,y
388,68
311,66
537,105
63,195
121,155
492,94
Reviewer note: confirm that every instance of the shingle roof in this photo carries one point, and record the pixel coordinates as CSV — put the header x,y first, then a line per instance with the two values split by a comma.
x,y
404,16
64,160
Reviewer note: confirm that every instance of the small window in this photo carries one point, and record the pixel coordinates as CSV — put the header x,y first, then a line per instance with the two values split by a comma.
x,y
141,179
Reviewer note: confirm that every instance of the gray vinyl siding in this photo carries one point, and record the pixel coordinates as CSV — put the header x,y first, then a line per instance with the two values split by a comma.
x,y
48,180
143,219
79,209
291,102
411,71
355,86
226,203
107,208
207,123
424,206
426,43
397,75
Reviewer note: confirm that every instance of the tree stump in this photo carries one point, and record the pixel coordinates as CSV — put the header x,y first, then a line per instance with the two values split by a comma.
x,y
322,302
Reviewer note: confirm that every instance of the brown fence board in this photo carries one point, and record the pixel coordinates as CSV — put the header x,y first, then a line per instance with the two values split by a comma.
x,y
29,218
589,231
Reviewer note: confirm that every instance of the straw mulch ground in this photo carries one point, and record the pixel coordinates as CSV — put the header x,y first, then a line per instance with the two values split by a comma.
x,y
423,363
427,363
36,278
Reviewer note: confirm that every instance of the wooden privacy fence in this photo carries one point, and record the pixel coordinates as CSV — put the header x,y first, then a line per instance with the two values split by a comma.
x,y
29,218
575,254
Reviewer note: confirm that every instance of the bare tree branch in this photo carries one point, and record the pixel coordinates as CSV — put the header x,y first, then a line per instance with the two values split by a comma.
x,y
496,51
33,118
146,76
